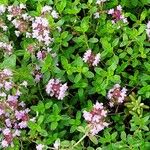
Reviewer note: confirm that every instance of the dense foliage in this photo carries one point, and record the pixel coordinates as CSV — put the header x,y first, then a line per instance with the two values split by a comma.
x,y
74,74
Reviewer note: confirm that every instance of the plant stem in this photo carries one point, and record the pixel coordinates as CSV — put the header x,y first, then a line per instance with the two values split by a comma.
x,y
40,91
79,141
117,109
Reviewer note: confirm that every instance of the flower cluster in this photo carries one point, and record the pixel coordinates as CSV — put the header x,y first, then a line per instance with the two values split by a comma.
x,y
117,15
32,27
48,9
15,11
37,73
41,55
5,81
91,58
6,47
41,31
31,48
14,116
7,84
56,88
116,95
20,19
96,118
148,29
21,26
44,52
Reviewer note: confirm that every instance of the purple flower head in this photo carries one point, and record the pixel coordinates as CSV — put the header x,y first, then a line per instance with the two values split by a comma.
x,y
96,118
56,88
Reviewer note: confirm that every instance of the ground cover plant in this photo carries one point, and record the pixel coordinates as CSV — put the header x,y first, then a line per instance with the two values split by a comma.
x,y
74,74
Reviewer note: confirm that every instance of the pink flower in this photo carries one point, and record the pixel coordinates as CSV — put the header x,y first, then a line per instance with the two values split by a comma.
x,y
38,77
46,9
1,111
40,30
22,104
8,123
98,105
7,72
17,133
96,118
117,14
19,114
39,147
62,91
8,86
57,89
116,95
18,93
54,14
6,131
12,100
87,116
4,143
41,55
6,47
91,58
22,115
23,124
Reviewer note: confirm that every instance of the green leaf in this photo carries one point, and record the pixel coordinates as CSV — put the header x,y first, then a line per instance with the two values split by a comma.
x,y
56,109
64,62
54,125
79,61
90,1
61,5
19,52
43,133
47,63
93,139
115,42
84,70
81,93
9,62
48,105
40,107
85,24
93,40
113,136
134,2
89,74
81,129
64,34
5,2
123,135
144,90
106,46
143,15
77,78
40,119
